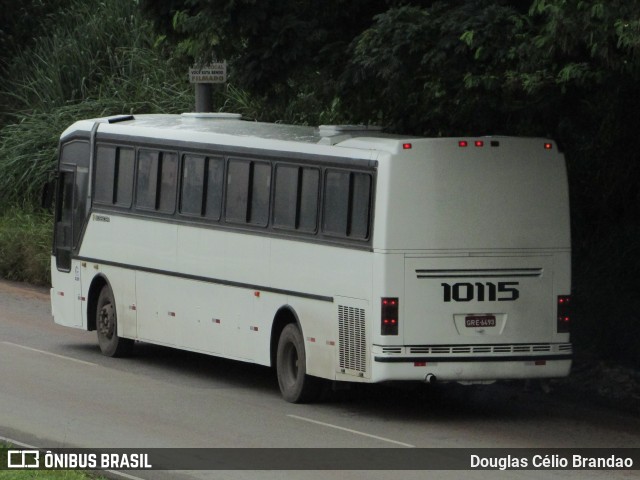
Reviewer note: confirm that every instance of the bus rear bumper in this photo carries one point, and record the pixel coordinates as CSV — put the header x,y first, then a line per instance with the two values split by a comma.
x,y
387,368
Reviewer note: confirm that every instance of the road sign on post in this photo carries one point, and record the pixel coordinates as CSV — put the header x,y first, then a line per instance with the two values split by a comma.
x,y
203,78
213,73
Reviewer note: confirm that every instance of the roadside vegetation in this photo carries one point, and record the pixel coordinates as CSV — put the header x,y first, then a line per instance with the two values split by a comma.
x,y
25,245
47,475
569,70
91,60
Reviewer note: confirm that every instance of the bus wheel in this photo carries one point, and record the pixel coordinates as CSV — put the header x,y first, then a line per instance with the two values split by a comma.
x,y
110,343
296,386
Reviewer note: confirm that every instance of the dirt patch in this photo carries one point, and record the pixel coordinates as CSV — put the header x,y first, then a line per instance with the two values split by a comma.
x,y
24,290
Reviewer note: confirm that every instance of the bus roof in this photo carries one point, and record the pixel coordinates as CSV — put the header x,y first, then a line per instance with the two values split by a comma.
x,y
216,124
229,129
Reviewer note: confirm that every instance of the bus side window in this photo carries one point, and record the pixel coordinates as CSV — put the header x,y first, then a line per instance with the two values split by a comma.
x,y
237,191
248,192
124,176
336,203
347,204
309,188
113,184
260,194
214,184
360,205
193,183
157,181
105,174
296,198
147,179
168,182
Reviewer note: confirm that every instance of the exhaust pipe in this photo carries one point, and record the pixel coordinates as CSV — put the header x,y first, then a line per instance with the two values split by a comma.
x,y
430,378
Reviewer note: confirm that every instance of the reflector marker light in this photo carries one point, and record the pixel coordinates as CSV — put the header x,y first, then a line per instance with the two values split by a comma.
x,y
479,143
463,143
389,316
564,316
548,146
406,146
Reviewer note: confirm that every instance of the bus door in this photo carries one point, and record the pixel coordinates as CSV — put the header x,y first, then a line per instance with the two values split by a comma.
x,y
64,220
70,218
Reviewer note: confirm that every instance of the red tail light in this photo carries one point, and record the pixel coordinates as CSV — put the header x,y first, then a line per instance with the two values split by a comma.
x,y
389,316
564,313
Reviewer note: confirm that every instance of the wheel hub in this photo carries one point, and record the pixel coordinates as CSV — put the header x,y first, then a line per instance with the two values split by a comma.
x,y
106,321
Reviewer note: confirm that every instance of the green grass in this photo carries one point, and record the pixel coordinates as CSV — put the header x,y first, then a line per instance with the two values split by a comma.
x,y
41,474
47,475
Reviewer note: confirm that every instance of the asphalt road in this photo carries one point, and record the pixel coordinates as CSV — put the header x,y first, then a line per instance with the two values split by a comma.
x,y
57,390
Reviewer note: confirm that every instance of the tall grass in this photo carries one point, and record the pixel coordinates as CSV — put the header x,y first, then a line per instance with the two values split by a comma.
x,y
80,51
93,59
25,246
99,59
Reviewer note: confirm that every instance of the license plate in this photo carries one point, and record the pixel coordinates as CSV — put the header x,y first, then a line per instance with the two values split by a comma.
x,y
475,321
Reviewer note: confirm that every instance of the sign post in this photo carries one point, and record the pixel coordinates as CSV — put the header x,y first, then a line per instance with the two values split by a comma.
x,y
203,78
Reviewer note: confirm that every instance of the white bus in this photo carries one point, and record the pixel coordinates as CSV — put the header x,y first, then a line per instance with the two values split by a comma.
x,y
336,253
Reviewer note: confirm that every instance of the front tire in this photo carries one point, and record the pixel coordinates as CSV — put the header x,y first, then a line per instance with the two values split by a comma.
x,y
291,365
111,345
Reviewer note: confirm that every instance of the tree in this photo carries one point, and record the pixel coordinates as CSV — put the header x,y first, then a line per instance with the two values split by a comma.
x,y
276,50
568,69
21,22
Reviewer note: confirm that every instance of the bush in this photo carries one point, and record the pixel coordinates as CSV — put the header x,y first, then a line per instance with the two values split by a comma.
x,y
25,246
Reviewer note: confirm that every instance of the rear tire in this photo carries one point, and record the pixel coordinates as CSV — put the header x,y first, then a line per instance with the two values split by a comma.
x,y
111,345
291,365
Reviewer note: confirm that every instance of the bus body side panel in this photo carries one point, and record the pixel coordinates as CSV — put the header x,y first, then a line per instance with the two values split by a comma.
x,y
335,325
218,292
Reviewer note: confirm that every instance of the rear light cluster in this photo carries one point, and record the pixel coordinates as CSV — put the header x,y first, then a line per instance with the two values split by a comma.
x,y
389,316
564,313
493,143
478,143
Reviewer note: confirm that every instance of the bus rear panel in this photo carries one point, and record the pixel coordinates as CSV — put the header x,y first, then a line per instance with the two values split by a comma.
x,y
475,254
